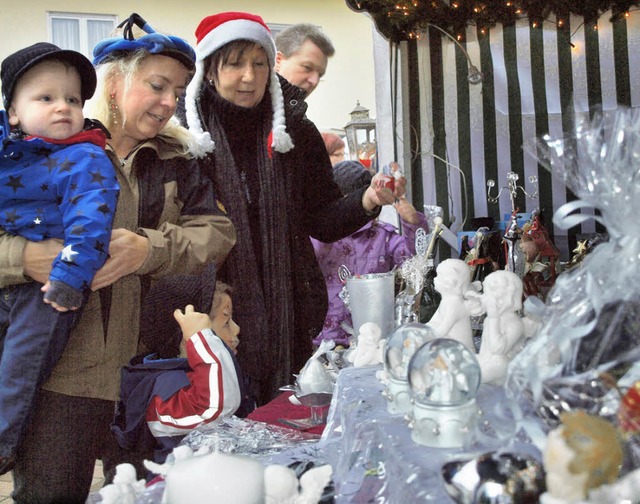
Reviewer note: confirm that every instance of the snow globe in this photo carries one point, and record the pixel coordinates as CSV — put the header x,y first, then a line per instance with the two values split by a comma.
x,y
398,350
444,378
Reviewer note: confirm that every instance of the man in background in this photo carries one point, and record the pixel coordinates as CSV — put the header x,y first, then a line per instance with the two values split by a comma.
x,y
303,52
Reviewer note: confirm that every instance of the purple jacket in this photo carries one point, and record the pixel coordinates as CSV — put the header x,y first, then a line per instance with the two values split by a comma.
x,y
375,248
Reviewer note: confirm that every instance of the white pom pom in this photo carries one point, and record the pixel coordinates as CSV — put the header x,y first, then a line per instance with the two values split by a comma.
x,y
437,221
202,144
281,140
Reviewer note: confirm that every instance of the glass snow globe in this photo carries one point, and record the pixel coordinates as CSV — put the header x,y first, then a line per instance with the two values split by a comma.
x,y
398,350
444,378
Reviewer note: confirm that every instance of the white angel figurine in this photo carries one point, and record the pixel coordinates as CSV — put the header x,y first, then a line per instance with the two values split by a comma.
x,y
125,488
283,487
369,346
503,329
452,318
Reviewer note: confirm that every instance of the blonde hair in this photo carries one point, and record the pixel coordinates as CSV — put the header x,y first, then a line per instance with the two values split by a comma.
x,y
125,66
597,448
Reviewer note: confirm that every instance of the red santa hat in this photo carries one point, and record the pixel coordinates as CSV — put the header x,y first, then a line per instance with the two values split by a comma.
x,y
216,31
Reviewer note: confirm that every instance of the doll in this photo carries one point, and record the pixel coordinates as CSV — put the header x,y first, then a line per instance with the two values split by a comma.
x,y
582,454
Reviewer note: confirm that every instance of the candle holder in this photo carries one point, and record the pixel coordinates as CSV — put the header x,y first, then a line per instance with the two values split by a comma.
x,y
512,187
515,255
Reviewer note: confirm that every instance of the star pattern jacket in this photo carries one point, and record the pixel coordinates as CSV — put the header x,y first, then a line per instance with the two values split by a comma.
x,y
64,189
164,197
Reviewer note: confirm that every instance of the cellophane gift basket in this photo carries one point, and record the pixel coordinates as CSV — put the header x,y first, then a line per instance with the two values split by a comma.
x,y
585,354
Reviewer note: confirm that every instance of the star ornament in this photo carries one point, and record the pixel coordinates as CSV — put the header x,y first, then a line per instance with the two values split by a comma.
x,y
581,248
68,254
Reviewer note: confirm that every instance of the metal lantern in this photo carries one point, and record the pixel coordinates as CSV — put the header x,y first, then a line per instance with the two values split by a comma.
x,y
361,137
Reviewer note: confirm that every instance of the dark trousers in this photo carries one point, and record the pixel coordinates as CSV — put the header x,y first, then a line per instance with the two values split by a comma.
x,y
32,338
68,434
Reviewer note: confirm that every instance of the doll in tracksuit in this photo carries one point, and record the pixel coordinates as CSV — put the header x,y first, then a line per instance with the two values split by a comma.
x,y
162,400
56,181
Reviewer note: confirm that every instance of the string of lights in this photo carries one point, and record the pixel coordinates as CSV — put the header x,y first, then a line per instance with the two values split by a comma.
x,y
401,20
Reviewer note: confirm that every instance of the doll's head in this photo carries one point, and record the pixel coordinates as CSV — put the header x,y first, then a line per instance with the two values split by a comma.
x,y
221,316
583,453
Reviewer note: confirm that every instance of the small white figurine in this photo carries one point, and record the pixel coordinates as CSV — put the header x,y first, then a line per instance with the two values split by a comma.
x,y
199,478
281,484
125,489
369,346
503,329
582,454
314,377
451,319
211,477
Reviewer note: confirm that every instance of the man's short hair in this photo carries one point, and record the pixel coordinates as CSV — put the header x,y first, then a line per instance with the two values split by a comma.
x,y
289,40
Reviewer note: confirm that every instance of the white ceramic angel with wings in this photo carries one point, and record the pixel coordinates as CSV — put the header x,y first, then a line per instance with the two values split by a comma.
x,y
503,328
452,318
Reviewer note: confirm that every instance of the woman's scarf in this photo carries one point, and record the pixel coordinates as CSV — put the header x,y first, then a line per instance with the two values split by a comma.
x,y
263,304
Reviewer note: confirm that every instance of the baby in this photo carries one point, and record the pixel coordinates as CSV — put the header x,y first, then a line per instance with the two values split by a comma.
x,y
56,181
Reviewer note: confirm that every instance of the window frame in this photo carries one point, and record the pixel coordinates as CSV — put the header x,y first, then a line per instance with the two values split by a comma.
x,y
83,18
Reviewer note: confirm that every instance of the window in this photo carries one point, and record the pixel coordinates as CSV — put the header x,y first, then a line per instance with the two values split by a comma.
x,y
79,32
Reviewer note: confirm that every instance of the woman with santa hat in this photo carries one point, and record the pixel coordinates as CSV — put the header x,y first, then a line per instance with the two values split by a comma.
x,y
272,172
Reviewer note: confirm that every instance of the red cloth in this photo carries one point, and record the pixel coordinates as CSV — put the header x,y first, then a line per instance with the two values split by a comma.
x,y
281,407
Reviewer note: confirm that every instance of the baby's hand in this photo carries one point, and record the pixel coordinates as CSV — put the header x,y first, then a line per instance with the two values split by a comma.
x,y
191,321
50,298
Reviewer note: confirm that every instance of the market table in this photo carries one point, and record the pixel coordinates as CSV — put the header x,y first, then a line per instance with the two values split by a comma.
x,y
281,407
370,450
372,453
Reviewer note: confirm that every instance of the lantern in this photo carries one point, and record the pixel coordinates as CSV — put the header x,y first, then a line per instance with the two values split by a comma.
x,y
361,137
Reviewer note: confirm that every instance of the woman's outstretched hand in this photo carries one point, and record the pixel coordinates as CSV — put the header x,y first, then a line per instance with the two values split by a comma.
x,y
378,193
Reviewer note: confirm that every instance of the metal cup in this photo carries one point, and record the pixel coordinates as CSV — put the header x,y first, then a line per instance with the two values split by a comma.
x,y
372,299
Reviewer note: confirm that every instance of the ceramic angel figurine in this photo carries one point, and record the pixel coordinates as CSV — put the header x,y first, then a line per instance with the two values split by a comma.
x,y
582,454
125,488
503,329
369,347
451,319
195,477
283,487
